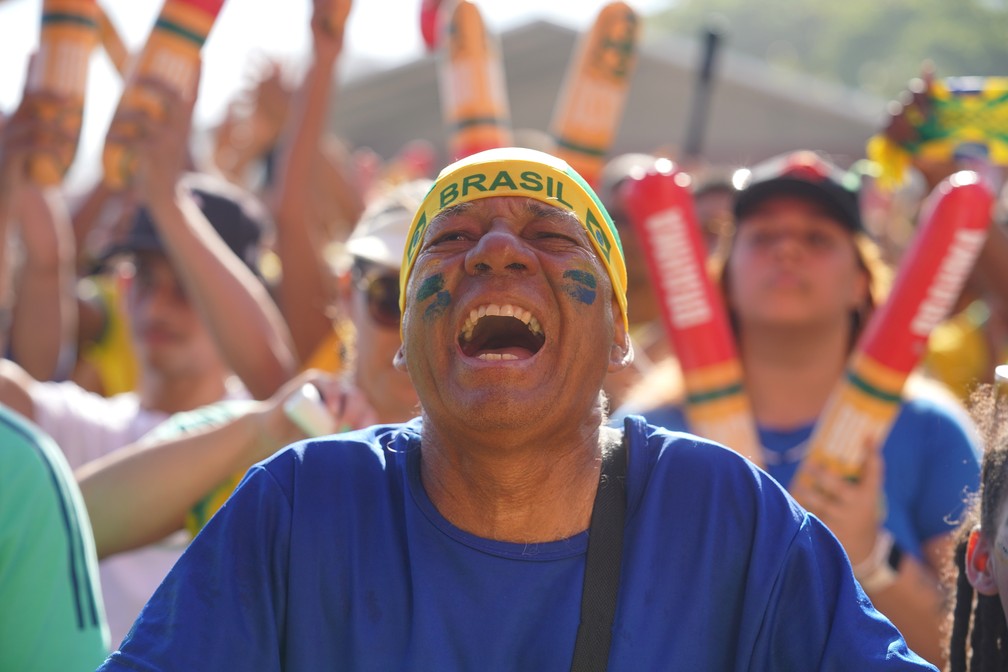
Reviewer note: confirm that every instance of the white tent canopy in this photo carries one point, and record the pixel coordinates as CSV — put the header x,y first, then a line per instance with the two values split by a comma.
x,y
755,111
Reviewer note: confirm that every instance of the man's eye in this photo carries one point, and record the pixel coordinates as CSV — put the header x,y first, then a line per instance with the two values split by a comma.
x,y
558,231
555,235
449,236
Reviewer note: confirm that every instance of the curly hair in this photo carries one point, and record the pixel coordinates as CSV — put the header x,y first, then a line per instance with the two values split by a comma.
x,y
978,640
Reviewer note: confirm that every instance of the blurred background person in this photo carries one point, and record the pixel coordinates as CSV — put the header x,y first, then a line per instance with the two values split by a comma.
x,y
189,287
181,473
964,349
801,280
978,633
51,618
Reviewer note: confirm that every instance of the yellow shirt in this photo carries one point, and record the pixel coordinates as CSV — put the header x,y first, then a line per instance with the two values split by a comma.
x,y
958,352
112,354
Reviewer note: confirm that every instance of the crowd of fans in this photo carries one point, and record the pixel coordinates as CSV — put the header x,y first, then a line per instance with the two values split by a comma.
x,y
158,341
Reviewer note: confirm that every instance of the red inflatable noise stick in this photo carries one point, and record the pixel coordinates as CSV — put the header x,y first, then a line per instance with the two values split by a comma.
x,y
429,22
659,204
951,231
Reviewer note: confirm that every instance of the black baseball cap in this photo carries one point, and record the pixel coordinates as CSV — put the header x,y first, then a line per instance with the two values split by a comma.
x,y
237,216
807,174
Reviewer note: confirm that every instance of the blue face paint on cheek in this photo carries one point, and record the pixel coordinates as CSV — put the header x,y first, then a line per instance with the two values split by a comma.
x,y
434,310
581,286
434,286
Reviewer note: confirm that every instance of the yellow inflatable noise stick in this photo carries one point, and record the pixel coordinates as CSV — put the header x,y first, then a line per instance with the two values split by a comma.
x,y
588,111
474,102
69,33
172,53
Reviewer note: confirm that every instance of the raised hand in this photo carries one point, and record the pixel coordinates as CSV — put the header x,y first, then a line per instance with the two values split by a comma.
x,y
853,510
160,137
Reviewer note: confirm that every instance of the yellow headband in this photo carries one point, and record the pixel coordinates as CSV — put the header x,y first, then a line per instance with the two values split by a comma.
x,y
514,171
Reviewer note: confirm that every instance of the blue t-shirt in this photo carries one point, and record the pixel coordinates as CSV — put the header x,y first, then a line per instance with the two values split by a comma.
x,y
932,462
330,556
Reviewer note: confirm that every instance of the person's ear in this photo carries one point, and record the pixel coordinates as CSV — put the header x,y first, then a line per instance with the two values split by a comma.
x,y
621,353
860,289
342,283
979,568
399,361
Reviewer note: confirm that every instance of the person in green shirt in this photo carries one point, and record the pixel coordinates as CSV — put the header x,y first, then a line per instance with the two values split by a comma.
x,y
51,614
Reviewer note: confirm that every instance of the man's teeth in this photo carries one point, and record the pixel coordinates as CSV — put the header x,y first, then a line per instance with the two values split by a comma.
x,y
506,310
493,356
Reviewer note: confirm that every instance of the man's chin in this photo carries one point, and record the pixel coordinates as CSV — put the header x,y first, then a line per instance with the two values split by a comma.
x,y
497,406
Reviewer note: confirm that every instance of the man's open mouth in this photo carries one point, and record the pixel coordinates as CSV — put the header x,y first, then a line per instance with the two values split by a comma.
x,y
496,332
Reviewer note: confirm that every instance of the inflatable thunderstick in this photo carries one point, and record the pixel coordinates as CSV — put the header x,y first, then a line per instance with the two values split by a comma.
x,y
68,34
588,111
172,54
429,23
471,81
660,206
951,230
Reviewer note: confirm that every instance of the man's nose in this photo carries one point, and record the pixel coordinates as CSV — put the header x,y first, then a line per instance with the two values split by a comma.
x,y
499,250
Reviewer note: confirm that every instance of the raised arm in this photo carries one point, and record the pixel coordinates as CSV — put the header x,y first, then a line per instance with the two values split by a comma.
x,y
92,228
12,174
242,139
142,492
44,319
38,294
24,130
304,290
235,305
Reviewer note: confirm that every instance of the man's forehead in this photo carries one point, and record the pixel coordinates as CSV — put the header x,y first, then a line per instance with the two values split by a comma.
x,y
518,205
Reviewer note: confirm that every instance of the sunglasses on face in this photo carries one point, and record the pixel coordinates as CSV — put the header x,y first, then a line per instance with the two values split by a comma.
x,y
381,290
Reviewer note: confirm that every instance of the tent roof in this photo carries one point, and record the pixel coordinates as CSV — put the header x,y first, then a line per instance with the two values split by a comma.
x,y
755,110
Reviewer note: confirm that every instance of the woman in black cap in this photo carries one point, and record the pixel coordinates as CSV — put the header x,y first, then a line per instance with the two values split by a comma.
x,y
801,279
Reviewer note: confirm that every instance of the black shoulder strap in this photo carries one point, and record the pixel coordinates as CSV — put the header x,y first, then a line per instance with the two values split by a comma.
x,y
602,566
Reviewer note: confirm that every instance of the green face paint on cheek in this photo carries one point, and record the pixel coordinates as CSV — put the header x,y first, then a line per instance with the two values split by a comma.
x,y
430,287
433,286
581,286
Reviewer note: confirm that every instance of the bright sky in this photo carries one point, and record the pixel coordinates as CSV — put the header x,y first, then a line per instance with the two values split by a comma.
x,y
245,32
